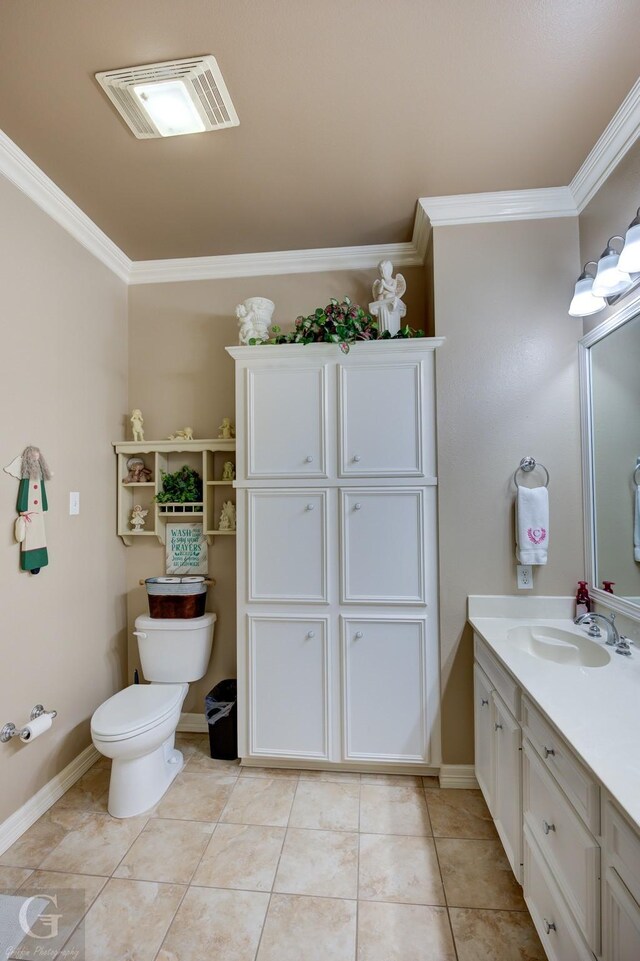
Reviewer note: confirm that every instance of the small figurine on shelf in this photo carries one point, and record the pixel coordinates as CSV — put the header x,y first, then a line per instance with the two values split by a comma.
x,y
227,517
387,306
228,471
138,515
137,423
254,319
226,430
138,473
185,434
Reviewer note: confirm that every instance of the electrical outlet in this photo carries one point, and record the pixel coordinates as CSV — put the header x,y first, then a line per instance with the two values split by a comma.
x,y
525,577
74,502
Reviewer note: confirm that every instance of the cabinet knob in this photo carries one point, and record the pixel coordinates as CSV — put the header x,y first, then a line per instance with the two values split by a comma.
x,y
547,828
359,634
498,726
311,634
309,459
356,457
484,702
309,507
548,752
357,507
549,925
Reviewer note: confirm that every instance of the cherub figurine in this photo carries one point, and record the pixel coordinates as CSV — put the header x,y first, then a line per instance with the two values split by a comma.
x,y
186,433
227,517
137,422
228,471
226,431
138,473
137,518
387,287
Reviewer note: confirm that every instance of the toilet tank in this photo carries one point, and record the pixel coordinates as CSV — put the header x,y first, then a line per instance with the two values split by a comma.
x,y
175,650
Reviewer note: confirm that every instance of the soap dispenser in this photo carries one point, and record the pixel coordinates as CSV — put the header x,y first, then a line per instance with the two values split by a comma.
x,y
583,601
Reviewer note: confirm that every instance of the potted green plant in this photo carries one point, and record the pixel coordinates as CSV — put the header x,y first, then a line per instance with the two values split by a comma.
x,y
184,486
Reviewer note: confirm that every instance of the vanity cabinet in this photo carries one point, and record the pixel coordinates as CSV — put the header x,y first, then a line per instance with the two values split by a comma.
x,y
580,855
336,516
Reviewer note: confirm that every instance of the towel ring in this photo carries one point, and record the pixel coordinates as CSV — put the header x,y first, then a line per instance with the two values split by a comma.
x,y
527,464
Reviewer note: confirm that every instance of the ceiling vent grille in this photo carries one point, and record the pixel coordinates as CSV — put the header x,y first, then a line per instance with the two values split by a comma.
x,y
201,77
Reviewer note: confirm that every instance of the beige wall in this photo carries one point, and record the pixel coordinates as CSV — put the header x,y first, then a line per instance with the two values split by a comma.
x,y
63,387
507,386
180,374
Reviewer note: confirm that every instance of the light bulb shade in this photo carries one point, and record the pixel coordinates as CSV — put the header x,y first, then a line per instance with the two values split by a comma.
x,y
609,279
170,107
584,302
630,256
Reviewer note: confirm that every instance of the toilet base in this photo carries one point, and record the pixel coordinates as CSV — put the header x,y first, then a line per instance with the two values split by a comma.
x,y
138,783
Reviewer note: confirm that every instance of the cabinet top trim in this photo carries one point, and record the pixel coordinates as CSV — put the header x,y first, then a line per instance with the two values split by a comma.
x,y
333,352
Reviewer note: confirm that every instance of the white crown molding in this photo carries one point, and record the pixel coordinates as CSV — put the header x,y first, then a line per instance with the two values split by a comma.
x,y
272,263
22,819
34,183
612,145
498,206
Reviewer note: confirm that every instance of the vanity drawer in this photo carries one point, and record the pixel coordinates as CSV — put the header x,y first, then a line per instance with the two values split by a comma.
x,y
574,779
622,846
501,679
558,931
569,849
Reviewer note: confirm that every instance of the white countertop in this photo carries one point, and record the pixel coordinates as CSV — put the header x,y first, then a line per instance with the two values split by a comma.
x,y
596,709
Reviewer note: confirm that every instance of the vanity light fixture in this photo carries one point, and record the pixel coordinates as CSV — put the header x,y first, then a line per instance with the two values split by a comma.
x,y
584,301
630,256
610,279
172,98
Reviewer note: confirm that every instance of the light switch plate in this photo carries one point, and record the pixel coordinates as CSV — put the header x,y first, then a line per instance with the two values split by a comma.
x,y
74,502
525,577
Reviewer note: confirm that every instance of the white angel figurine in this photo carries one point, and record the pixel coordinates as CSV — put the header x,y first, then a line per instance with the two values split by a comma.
x,y
387,306
137,520
227,517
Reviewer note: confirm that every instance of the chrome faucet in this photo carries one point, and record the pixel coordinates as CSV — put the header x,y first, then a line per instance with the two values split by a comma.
x,y
613,637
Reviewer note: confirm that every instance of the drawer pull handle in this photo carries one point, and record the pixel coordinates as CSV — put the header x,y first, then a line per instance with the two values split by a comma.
x,y
309,507
356,458
309,459
498,726
548,752
547,828
310,634
357,507
549,925
359,634
484,702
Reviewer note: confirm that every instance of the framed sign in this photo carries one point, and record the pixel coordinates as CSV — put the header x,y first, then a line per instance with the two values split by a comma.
x,y
187,551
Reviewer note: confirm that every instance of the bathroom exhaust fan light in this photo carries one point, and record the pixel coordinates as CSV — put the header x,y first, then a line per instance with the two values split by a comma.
x,y
584,302
610,279
630,256
172,98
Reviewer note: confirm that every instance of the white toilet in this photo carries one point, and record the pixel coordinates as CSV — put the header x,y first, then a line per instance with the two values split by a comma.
x,y
136,727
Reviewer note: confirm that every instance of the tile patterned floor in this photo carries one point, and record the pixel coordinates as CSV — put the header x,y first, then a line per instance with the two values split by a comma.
x,y
252,864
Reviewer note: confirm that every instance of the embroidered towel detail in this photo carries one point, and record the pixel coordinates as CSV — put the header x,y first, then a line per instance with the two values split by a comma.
x,y
636,528
532,525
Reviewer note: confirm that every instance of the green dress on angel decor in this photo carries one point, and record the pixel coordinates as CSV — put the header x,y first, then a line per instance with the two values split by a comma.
x,y
32,505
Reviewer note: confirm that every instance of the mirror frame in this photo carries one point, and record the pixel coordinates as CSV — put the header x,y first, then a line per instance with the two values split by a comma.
x,y
611,601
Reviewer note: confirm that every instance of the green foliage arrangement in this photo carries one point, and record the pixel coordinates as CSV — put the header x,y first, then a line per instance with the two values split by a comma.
x,y
338,323
181,487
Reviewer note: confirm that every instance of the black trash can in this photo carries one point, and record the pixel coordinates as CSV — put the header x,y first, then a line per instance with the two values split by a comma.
x,y
221,708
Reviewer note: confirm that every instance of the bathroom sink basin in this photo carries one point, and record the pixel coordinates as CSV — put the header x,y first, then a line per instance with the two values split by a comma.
x,y
561,647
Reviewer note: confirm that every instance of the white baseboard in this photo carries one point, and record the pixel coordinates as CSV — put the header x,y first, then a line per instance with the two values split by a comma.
x,y
458,776
22,819
192,724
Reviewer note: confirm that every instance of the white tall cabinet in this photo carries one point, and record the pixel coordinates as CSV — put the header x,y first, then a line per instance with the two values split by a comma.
x,y
337,555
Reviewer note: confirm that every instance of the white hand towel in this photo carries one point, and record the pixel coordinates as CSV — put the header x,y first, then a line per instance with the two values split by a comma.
x,y
532,524
636,528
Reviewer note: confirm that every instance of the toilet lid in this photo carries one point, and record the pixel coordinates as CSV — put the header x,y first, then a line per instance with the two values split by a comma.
x,y
135,710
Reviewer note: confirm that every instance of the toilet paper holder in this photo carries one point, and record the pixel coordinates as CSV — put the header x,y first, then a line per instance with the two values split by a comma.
x,y
10,730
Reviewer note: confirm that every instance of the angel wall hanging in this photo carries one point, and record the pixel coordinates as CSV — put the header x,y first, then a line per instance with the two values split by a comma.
x,y
31,469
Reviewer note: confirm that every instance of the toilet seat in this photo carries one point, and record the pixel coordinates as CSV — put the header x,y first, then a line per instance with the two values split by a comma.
x,y
136,709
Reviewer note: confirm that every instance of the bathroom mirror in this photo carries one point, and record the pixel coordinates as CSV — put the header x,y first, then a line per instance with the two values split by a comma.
x,y
610,388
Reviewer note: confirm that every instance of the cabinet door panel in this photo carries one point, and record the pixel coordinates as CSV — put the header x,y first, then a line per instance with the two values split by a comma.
x,y
483,718
385,701
621,921
288,686
381,421
383,549
507,798
287,533
286,422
